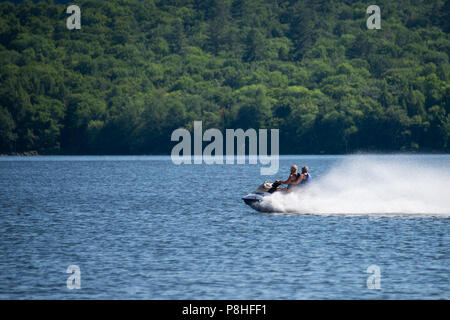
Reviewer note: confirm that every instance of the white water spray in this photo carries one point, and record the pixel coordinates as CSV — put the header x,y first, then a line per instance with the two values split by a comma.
x,y
367,185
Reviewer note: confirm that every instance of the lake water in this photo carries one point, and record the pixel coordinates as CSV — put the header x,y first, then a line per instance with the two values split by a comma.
x,y
144,228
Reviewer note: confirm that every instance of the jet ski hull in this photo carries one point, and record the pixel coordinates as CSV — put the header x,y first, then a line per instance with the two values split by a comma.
x,y
256,198
255,201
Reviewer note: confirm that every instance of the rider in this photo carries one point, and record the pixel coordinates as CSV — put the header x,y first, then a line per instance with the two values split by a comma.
x,y
294,181
305,176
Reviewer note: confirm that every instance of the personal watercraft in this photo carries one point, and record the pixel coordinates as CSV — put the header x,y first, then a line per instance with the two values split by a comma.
x,y
255,198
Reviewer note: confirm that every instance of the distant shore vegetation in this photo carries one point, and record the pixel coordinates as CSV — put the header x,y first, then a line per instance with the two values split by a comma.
x,y
137,70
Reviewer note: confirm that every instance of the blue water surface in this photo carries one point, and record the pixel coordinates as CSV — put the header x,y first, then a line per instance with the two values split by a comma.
x,y
144,228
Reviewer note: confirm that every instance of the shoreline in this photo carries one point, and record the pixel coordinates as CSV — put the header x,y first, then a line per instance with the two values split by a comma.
x,y
20,154
36,154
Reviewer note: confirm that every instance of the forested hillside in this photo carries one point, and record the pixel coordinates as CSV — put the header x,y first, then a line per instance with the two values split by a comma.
x,y
137,70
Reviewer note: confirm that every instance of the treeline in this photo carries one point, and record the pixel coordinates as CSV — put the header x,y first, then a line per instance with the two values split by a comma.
x,y
137,70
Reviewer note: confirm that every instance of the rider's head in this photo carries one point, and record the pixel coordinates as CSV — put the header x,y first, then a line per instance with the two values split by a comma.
x,y
294,168
305,169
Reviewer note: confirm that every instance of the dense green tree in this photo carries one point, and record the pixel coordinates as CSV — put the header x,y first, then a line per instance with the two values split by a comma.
x,y
137,70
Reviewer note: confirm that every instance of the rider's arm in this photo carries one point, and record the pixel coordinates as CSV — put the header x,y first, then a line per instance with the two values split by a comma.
x,y
300,178
289,180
